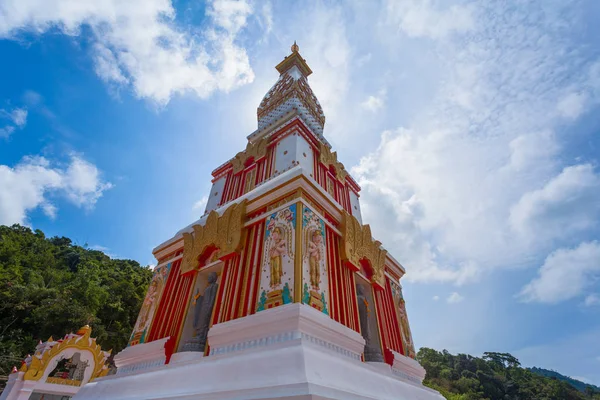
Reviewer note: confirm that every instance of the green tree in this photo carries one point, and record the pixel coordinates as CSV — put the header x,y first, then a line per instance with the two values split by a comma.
x,y
50,287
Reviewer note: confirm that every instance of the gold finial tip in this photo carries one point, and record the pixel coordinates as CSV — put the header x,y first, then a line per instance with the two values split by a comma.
x,y
295,47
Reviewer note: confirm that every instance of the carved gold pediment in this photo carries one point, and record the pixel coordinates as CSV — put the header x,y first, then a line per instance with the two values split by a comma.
x,y
254,150
39,362
223,232
358,245
329,158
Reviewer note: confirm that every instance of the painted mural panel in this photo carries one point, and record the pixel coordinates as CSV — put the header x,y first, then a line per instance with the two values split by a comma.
x,y
315,287
277,270
151,301
407,341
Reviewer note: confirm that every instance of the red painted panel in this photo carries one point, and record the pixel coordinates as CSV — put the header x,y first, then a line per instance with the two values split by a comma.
x,y
175,297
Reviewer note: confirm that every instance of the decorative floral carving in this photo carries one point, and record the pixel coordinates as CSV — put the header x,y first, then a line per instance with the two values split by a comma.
x,y
223,232
329,158
254,150
358,244
82,341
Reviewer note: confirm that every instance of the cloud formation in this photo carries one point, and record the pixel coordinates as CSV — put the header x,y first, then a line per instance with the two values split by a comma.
x,y
139,43
426,18
454,298
34,182
17,118
374,103
592,300
479,179
566,274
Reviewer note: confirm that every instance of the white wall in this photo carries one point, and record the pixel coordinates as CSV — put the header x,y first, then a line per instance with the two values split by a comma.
x,y
355,205
216,193
304,155
285,153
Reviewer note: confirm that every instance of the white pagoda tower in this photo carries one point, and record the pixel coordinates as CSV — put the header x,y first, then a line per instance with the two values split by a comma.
x,y
278,291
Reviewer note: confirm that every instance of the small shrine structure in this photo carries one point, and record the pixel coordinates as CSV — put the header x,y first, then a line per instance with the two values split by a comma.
x,y
58,368
279,291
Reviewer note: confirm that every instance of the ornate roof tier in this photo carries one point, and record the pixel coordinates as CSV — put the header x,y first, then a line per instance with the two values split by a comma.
x,y
292,92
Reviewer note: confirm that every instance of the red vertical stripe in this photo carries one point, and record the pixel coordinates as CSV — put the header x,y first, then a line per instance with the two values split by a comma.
x,y
253,268
333,270
235,296
219,300
242,302
172,305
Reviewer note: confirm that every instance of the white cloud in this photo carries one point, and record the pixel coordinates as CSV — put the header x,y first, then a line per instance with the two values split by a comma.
x,y
33,181
569,203
82,184
592,300
572,105
566,274
105,250
435,298
484,160
6,131
200,205
139,43
374,103
17,117
454,298
425,18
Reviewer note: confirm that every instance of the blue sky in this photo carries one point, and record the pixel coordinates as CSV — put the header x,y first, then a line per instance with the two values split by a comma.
x,y
472,128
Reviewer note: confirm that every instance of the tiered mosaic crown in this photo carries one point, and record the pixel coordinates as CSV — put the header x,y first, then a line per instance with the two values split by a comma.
x,y
292,92
282,225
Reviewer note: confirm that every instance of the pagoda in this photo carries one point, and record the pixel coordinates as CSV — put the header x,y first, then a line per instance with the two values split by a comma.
x,y
279,291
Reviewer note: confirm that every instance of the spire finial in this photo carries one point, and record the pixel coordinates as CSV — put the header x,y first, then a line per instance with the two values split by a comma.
x,y
295,47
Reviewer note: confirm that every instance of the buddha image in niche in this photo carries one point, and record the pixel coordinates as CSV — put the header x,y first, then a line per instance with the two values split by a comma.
x,y
314,258
276,252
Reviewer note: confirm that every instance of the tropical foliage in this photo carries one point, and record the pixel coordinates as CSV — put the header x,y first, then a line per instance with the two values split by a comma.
x,y
495,376
50,287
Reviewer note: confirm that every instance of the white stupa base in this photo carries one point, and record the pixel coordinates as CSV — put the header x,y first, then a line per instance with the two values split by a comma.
x,y
289,352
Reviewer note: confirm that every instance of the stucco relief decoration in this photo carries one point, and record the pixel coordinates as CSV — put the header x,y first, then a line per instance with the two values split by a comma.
x,y
407,342
253,150
277,270
221,232
330,158
142,324
359,245
315,286
75,351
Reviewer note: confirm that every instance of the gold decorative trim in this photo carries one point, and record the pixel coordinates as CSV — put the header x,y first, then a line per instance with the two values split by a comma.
x,y
224,232
60,381
358,244
298,255
329,158
82,341
254,150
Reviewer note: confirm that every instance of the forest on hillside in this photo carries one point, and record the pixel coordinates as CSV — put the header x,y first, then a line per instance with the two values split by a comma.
x,y
495,376
51,286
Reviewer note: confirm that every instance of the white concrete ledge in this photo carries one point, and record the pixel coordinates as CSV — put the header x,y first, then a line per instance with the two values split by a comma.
x,y
141,357
293,321
408,368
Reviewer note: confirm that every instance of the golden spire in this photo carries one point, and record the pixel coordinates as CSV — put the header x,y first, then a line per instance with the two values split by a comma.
x,y
294,59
